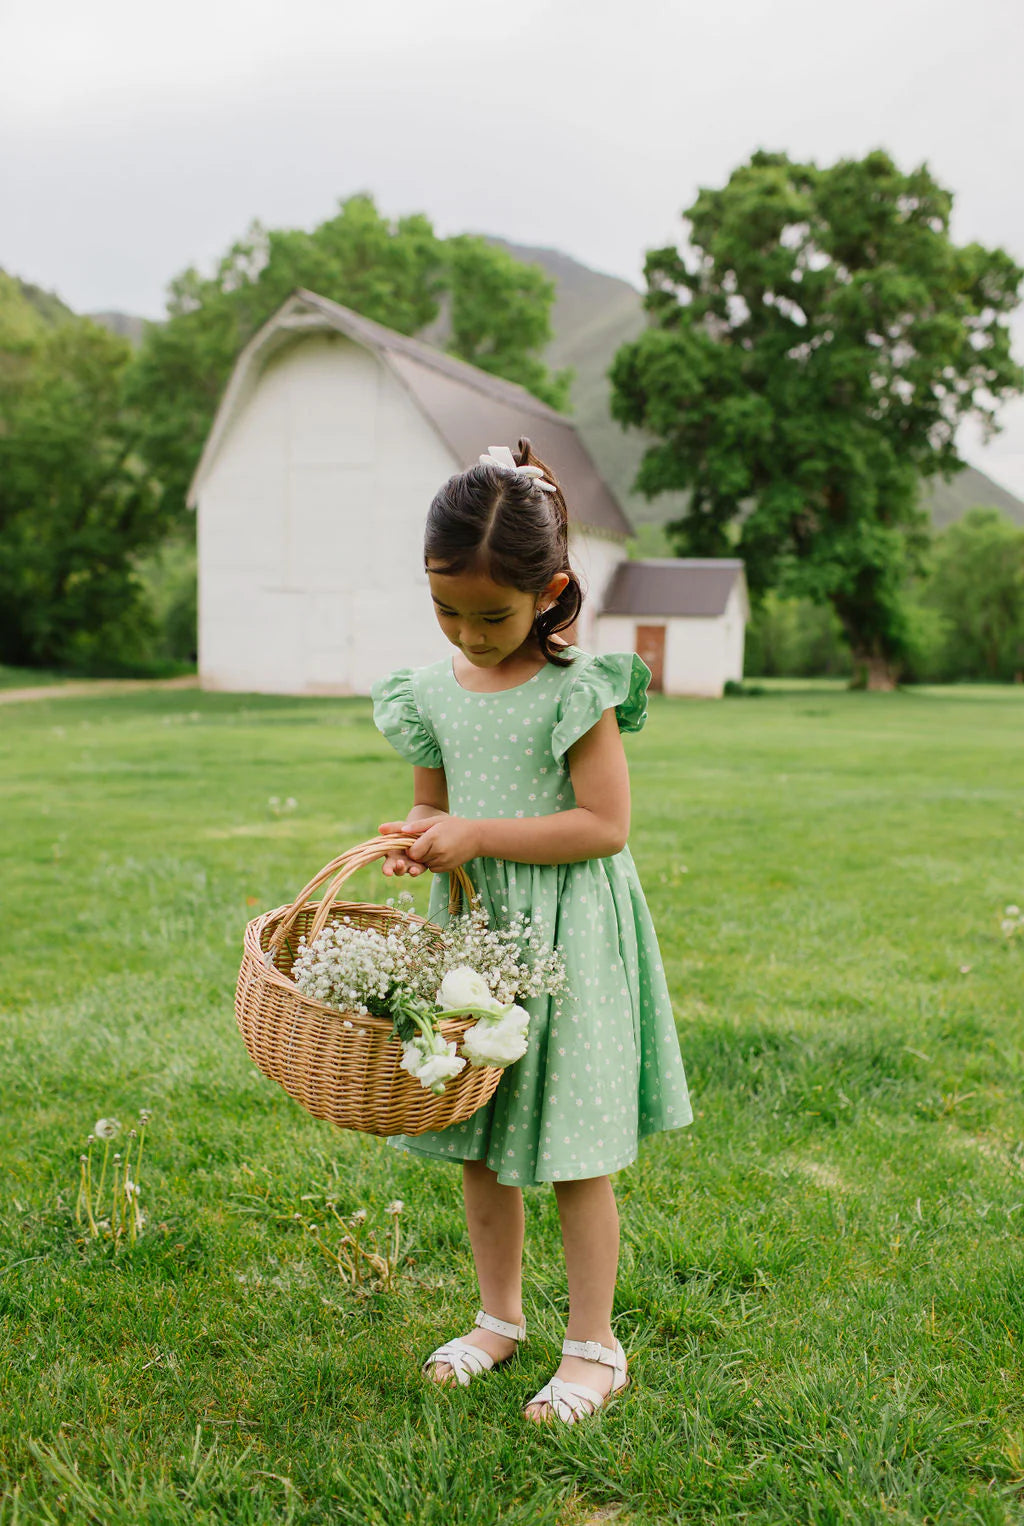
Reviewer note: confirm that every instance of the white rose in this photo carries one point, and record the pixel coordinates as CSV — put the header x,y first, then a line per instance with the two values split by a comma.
x,y
463,990
498,1042
438,1067
412,1058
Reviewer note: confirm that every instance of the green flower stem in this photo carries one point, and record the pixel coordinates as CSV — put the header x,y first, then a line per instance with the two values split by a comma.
x,y
115,1203
81,1193
103,1177
88,1194
138,1158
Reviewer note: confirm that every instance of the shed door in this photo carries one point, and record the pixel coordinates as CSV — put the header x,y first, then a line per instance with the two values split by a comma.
x,y
650,647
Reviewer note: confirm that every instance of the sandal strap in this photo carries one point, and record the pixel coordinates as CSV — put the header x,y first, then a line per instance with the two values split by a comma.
x,y
593,1351
570,1401
466,1361
502,1326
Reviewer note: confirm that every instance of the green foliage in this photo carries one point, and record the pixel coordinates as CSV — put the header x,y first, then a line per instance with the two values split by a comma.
x,y
976,589
500,316
75,502
168,574
794,638
808,362
393,272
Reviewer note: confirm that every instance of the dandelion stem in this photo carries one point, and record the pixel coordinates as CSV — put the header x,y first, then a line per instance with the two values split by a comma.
x,y
88,1193
114,1203
103,1177
138,1158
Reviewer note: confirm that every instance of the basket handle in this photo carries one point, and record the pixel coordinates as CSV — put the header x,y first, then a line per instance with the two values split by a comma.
x,y
345,865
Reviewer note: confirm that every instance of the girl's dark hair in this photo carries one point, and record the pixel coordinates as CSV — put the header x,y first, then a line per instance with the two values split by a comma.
x,y
493,521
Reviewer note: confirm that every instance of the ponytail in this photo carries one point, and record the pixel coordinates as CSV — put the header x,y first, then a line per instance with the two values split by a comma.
x,y
565,610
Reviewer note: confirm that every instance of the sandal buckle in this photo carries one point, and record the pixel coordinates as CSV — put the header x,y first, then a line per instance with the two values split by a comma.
x,y
590,1351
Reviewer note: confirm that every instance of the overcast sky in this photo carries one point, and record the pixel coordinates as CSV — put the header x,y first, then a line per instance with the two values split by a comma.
x,y
139,137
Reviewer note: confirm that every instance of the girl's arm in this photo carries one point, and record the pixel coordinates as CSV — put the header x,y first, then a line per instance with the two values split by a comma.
x,y
596,827
430,796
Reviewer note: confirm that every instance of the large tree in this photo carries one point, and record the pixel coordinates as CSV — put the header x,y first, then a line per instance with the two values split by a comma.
x,y
808,360
398,273
75,504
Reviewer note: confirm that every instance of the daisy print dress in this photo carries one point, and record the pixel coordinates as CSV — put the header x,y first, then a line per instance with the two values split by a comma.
x,y
603,1067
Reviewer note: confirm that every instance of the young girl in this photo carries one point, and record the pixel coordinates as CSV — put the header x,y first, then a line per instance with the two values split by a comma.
x,y
520,774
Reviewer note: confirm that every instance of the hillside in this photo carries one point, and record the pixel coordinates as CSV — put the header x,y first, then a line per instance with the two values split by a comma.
x,y
25,310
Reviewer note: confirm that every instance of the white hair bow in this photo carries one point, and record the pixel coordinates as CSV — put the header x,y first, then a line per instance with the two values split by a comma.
x,y
500,455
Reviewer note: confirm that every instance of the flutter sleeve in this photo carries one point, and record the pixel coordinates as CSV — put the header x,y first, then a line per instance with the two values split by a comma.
x,y
618,680
397,716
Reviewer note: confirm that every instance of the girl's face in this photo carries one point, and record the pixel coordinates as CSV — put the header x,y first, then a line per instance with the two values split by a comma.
x,y
484,619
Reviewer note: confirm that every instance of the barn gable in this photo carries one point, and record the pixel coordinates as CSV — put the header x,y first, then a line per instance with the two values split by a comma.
x,y
463,404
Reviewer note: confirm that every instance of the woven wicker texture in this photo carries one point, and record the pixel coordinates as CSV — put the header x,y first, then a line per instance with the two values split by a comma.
x,y
348,1075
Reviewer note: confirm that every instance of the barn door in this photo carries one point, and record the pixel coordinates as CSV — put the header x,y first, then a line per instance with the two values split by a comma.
x,y
650,648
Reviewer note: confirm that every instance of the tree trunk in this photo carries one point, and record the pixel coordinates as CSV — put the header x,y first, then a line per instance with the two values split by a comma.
x,y
874,672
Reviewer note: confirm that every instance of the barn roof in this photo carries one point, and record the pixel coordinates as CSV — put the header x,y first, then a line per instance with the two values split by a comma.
x,y
469,408
676,585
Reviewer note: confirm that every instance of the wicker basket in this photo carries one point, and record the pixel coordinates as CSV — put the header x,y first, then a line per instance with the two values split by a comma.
x,y
350,1076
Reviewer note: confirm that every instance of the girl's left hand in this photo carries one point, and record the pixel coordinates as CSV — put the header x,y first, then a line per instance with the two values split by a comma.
x,y
444,844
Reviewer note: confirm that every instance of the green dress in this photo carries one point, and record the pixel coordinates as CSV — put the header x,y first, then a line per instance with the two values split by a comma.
x,y
603,1067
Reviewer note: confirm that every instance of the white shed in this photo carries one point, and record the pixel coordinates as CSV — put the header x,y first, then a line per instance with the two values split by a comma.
x,y
685,616
333,435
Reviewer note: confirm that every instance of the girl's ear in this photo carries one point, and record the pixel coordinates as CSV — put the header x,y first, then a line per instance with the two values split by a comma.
x,y
559,583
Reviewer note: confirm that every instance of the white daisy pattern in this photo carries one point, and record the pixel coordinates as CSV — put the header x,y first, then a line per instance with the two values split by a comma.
x,y
603,1069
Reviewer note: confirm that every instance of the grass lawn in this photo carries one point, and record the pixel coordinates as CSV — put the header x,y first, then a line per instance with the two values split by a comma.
x,y
822,1283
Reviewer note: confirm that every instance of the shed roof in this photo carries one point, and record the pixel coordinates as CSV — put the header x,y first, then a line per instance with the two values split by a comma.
x,y
469,408
676,585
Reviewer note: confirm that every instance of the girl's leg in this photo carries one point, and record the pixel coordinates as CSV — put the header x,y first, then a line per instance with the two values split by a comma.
x,y
495,1219
590,1237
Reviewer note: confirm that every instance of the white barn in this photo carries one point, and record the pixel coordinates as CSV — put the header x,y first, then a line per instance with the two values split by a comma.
x,y
332,437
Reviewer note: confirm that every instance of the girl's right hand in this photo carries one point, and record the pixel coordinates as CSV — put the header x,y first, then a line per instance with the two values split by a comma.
x,y
397,862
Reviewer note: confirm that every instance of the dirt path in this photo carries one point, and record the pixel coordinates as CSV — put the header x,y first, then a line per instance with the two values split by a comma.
x,y
97,688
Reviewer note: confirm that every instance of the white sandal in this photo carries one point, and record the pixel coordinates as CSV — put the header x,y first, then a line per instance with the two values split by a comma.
x,y
570,1401
468,1361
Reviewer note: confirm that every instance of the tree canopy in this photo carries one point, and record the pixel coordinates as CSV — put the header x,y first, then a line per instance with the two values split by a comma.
x,y
75,503
809,359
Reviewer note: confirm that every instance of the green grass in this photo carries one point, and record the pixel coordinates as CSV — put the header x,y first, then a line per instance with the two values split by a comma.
x,y
30,678
822,1283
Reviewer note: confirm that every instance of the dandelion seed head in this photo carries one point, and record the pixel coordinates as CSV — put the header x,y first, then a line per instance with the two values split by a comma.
x,y
106,1128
